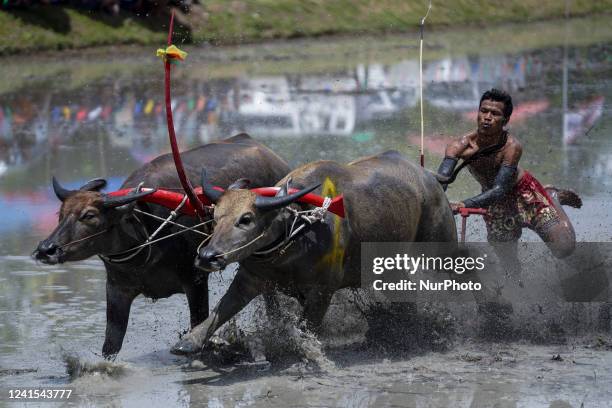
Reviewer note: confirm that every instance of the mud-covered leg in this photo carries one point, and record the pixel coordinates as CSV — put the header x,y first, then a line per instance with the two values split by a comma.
x,y
197,298
272,304
316,304
242,290
507,253
495,311
556,229
118,304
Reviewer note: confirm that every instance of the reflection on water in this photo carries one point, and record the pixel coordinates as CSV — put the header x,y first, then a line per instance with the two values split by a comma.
x,y
111,126
113,123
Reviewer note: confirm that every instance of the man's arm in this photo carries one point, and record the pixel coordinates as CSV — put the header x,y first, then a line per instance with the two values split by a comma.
x,y
504,181
451,157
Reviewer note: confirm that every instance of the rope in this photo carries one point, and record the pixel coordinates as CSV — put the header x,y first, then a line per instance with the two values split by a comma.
x,y
172,216
421,85
314,215
202,243
138,251
84,239
310,216
168,221
241,247
150,238
162,238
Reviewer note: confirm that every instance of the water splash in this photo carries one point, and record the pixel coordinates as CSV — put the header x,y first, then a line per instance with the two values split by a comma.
x,y
77,367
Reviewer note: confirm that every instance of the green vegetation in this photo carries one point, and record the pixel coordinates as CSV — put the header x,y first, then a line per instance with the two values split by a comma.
x,y
77,68
230,22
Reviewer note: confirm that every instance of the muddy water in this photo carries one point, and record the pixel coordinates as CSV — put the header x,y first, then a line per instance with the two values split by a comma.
x,y
78,117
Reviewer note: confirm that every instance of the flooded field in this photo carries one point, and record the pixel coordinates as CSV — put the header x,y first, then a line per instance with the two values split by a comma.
x,y
83,116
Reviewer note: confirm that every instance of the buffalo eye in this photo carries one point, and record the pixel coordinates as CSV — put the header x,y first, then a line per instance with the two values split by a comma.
x,y
88,215
245,220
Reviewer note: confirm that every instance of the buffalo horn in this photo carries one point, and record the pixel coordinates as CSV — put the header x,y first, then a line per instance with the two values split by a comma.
x,y
271,203
96,184
239,184
284,190
210,193
60,191
112,202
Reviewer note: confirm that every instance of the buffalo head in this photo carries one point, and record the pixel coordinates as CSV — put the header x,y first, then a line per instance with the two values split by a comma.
x,y
244,222
85,218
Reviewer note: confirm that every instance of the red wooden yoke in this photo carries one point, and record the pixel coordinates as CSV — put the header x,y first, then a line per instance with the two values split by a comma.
x,y
465,213
171,199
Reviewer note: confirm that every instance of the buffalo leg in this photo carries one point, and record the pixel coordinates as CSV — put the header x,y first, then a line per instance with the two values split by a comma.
x,y
197,298
118,304
243,289
315,306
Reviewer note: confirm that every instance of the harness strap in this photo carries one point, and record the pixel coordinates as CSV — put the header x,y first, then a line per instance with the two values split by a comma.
x,y
310,217
137,250
149,240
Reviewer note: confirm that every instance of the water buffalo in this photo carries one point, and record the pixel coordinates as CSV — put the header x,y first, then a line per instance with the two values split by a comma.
x,y
91,223
386,198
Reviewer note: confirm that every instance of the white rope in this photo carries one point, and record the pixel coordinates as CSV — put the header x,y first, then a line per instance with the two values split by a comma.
x,y
150,238
421,84
169,222
162,238
242,247
310,216
137,250
84,239
202,243
171,217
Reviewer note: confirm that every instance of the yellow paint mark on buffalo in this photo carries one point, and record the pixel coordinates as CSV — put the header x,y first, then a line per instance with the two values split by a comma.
x,y
333,258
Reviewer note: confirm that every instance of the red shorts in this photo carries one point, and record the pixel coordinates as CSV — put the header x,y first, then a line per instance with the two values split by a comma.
x,y
527,205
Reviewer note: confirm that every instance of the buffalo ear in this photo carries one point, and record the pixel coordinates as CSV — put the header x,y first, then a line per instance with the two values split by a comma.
x,y
126,208
240,184
96,184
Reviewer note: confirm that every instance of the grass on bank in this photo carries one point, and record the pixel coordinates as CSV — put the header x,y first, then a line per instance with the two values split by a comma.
x,y
230,22
80,67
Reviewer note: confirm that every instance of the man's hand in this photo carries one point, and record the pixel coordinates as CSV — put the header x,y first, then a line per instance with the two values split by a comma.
x,y
455,206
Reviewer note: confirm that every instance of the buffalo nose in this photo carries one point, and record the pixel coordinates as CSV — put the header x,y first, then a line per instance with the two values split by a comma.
x,y
208,255
46,248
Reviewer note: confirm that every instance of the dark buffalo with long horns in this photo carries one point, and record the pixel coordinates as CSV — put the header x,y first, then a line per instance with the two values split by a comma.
x,y
386,199
92,223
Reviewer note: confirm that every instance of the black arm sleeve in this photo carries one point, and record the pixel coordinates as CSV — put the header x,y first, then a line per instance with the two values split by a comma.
x,y
445,171
503,184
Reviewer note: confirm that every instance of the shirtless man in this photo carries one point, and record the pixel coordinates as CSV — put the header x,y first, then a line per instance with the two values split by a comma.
x,y
513,197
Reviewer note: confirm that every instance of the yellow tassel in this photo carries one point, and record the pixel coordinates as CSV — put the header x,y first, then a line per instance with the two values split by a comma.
x,y
171,53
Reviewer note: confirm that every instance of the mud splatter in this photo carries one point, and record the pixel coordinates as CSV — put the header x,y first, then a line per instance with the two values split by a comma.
x,y
77,367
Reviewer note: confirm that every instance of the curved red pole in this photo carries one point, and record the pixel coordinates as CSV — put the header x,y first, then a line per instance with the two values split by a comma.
x,y
176,154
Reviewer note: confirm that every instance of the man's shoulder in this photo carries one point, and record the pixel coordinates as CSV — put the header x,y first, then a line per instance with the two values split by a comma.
x,y
458,145
513,142
463,141
513,149
513,138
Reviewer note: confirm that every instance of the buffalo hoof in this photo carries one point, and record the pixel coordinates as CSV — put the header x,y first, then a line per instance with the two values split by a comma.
x,y
109,351
185,347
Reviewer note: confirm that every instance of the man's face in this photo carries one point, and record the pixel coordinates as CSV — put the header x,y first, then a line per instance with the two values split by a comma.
x,y
491,118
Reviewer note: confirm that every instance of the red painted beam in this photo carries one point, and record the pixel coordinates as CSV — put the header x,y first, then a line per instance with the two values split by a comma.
x,y
171,199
